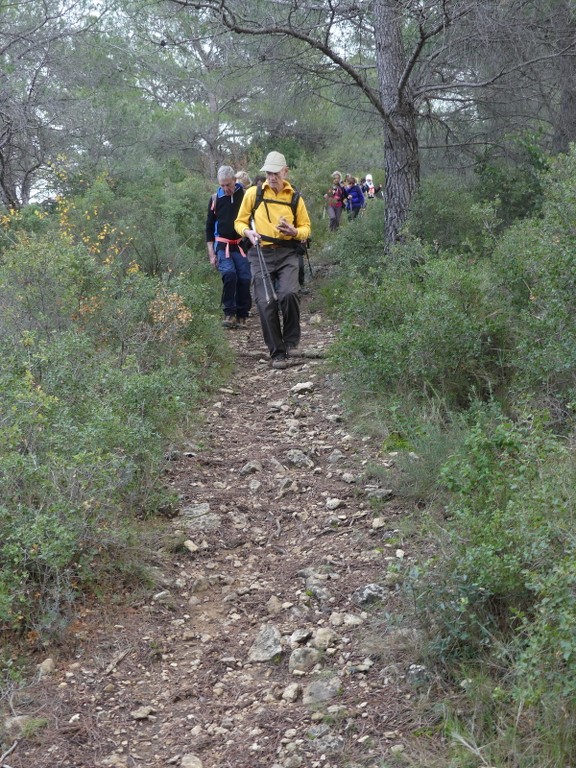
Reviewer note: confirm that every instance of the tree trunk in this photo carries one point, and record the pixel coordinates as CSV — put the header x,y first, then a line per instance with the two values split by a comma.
x,y
565,123
401,158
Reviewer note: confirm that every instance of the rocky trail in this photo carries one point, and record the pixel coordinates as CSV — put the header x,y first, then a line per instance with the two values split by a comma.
x,y
269,639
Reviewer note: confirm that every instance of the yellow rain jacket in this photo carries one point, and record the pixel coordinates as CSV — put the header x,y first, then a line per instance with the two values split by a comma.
x,y
267,215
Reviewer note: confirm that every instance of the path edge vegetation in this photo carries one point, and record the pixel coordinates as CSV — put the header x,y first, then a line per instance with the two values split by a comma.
x,y
463,345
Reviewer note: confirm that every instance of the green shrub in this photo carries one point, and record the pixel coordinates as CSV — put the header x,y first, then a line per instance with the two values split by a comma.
x,y
509,520
101,368
154,223
498,599
428,326
515,180
16,225
42,280
536,265
430,331
70,472
445,213
470,363
358,246
166,223
544,668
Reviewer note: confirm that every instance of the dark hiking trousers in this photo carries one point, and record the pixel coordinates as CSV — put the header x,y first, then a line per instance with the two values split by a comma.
x,y
279,318
235,271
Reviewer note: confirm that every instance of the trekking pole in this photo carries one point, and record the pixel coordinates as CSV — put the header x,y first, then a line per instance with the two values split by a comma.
x,y
309,264
266,279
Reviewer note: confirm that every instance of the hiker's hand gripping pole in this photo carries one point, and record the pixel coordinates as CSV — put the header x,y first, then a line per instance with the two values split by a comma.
x,y
251,234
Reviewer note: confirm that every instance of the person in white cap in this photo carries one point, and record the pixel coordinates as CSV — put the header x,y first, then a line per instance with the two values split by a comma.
x,y
368,187
274,218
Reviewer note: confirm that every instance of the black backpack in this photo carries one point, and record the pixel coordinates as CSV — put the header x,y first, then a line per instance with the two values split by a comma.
x,y
261,199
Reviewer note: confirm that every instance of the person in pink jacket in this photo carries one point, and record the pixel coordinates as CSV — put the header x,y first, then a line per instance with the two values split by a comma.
x,y
336,198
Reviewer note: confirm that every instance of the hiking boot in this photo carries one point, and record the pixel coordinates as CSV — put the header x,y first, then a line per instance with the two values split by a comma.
x,y
241,324
279,363
294,352
229,322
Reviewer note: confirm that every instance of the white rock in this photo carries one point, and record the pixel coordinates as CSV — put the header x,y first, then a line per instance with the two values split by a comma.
x,y
292,692
298,458
299,636
303,659
197,510
351,620
114,761
303,386
267,644
46,667
251,467
323,638
274,606
190,761
322,690
143,713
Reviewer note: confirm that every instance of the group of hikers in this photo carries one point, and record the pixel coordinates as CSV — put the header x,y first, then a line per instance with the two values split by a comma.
x,y
349,195
257,235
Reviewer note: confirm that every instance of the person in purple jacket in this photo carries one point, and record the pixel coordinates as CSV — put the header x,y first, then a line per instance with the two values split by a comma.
x,y
356,200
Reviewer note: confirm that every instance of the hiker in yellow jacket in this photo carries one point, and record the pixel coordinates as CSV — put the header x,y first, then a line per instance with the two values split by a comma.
x,y
274,218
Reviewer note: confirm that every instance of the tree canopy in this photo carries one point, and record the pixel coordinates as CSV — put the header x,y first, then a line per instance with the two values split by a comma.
x,y
134,84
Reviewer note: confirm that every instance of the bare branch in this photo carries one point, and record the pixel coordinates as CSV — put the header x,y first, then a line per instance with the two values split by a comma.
x,y
228,17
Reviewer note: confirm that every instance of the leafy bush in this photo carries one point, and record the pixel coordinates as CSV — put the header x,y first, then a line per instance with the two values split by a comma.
x,y
515,180
470,362
499,597
15,224
42,280
445,213
154,223
358,246
536,265
435,330
166,223
101,367
544,668
497,537
422,325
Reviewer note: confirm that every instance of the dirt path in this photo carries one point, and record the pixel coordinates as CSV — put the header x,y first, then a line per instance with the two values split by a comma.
x,y
261,645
